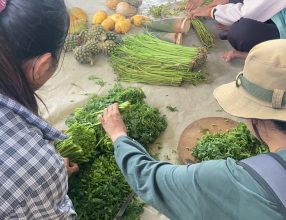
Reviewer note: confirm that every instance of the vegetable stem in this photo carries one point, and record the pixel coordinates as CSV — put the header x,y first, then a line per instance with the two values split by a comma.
x,y
146,59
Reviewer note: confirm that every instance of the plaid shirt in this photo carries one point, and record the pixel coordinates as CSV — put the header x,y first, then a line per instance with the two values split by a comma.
x,y
33,179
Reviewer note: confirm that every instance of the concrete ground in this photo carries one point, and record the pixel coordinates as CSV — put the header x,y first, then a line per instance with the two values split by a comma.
x,y
68,88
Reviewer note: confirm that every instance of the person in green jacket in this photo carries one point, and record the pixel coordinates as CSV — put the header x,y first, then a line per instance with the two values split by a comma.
x,y
216,189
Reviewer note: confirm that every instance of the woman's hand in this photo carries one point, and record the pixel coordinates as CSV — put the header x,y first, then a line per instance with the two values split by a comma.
x,y
70,166
112,122
193,4
218,2
203,11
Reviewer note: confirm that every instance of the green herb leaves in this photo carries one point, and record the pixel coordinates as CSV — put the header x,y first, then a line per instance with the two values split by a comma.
x,y
99,189
237,143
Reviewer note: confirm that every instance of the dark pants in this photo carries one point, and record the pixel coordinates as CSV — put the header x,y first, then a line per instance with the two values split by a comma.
x,y
246,33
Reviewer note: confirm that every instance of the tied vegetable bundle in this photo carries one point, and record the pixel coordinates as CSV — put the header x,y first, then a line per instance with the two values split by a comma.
x,y
237,143
146,59
179,8
204,35
206,38
99,189
75,147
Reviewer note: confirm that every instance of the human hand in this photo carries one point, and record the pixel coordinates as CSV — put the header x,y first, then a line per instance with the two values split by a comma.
x,y
218,2
193,4
112,122
203,11
70,166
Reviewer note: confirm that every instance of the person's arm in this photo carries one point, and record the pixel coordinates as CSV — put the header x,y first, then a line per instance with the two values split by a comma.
x,y
260,10
158,183
193,4
175,190
171,189
51,194
45,188
204,10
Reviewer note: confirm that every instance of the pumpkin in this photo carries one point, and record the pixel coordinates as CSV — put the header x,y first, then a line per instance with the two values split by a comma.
x,y
108,24
111,4
137,20
122,26
116,17
78,20
126,9
99,17
78,13
77,26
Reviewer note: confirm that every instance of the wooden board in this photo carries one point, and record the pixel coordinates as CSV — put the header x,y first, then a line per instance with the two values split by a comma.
x,y
196,130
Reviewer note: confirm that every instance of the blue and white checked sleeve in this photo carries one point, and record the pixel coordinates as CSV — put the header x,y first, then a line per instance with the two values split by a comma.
x,y
33,179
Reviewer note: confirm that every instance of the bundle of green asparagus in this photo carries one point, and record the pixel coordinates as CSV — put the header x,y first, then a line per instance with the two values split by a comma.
x,y
179,8
146,59
206,38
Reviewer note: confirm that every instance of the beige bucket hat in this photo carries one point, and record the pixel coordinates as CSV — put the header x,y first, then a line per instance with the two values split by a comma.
x,y
259,90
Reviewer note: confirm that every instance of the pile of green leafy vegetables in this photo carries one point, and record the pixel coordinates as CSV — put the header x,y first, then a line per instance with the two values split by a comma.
x,y
99,189
237,143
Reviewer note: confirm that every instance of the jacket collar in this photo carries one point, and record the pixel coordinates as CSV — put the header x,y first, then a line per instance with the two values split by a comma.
x,y
48,131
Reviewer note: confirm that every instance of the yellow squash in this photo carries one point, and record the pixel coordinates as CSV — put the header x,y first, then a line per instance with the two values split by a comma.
x,y
116,17
78,14
78,20
123,26
108,24
138,19
99,17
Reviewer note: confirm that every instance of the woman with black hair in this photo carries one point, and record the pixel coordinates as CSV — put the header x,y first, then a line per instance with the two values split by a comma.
x,y
33,177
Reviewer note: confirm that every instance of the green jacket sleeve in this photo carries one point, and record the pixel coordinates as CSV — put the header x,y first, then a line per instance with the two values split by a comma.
x,y
217,189
159,184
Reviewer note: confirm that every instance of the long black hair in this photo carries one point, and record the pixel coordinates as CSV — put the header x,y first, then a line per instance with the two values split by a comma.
x,y
29,28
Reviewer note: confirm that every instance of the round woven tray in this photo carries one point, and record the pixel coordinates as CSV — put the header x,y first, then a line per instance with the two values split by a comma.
x,y
196,130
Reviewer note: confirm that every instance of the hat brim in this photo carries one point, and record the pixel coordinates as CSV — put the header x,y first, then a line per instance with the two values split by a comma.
x,y
237,102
